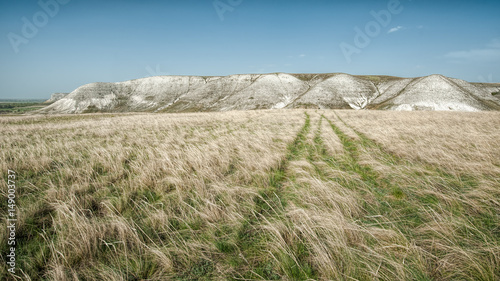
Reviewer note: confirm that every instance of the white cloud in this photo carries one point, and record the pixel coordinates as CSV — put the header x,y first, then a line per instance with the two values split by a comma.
x,y
296,56
394,29
489,53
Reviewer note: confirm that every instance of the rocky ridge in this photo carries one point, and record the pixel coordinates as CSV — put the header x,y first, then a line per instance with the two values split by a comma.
x,y
55,97
277,91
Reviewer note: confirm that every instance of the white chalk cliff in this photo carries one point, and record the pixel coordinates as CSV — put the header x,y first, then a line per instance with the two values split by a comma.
x,y
276,91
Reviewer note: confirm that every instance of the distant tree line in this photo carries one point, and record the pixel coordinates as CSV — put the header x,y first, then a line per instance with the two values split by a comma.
x,y
16,104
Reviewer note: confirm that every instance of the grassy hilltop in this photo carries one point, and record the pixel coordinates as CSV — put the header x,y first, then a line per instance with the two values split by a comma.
x,y
255,195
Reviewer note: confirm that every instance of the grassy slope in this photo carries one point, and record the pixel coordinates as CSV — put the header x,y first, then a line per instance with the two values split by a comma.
x,y
262,195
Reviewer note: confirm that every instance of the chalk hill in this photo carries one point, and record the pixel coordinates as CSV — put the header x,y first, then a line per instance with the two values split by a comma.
x,y
278,90
55,97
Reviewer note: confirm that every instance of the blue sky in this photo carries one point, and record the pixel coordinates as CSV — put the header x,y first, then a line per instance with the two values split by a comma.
x,y
83,41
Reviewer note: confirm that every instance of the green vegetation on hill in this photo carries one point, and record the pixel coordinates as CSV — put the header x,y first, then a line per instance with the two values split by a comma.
x,y
376,79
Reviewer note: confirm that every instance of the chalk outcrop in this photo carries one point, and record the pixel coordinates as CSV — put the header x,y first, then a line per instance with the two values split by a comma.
x,y
277,91
55,97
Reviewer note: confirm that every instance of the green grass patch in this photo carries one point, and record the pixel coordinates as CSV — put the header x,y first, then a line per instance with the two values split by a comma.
x,y
19,107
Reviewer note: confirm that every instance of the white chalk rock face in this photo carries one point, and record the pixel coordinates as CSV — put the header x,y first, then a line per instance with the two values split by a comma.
x,y
437,92
55,97
277,91
340,91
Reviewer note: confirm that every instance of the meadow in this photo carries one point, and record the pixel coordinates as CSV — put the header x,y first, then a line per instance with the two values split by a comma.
x,y
253,195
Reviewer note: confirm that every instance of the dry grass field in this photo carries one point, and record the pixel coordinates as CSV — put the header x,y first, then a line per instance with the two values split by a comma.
x,y
257,195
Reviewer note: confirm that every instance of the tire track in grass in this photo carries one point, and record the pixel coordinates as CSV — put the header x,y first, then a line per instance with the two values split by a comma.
x,y
457,181
359,179
351,162
421,172
294,262
406,203
382,205
254,258
392,200
386,206
296,259
390,196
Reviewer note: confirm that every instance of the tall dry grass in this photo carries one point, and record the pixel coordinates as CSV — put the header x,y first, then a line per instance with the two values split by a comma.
x,y
460,142
259,195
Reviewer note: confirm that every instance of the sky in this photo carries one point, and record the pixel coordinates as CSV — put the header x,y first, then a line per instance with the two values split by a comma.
x,y
50,46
